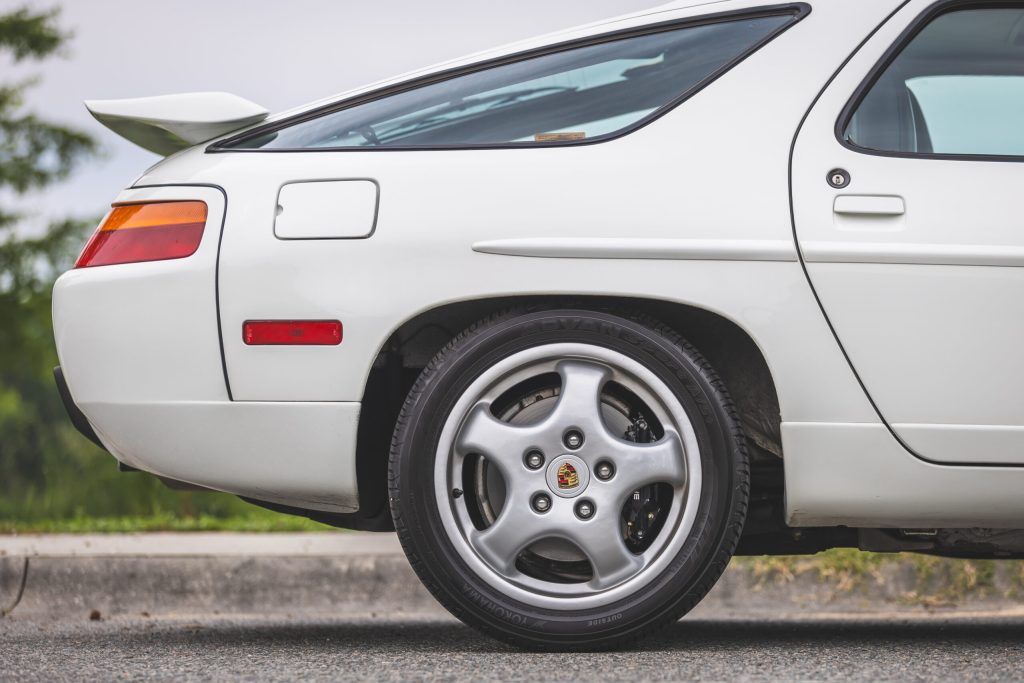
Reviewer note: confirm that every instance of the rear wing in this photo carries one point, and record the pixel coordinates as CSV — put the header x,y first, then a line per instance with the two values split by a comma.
x,y
168,123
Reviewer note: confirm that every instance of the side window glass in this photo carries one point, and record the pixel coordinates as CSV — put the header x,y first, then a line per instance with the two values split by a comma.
x,y
957,88
574,95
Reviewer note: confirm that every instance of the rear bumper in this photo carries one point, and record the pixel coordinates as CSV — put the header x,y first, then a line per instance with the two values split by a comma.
x,y
294,454
291,453
141,374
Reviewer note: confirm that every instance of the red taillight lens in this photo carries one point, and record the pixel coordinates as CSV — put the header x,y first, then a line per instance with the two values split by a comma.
x,y
292,332
146,232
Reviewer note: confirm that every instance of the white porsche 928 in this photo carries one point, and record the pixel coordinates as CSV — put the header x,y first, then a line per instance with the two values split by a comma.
x,y
586,316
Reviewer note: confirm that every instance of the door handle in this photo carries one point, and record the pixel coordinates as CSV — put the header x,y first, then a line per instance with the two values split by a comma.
x,y
869,205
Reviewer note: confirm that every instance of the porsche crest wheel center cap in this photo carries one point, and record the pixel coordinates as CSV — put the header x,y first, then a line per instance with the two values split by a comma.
x,y
567,476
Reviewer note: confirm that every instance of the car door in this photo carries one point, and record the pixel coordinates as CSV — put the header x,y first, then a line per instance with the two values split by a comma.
x,y
906,188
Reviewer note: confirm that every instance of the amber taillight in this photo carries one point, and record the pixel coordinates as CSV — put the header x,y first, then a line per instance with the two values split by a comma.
x,y
154,231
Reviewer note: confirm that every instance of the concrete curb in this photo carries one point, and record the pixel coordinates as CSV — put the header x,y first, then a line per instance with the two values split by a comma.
x,y
211,544
343,573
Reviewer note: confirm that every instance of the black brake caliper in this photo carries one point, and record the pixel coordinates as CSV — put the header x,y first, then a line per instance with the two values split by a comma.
x,y
642,512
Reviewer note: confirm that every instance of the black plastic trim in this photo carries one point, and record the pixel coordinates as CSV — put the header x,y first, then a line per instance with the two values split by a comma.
x,y
75,414
926,17
380,521
216,269
799,10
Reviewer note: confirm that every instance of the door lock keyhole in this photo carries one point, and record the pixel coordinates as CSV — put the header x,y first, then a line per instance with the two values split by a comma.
x,y
838,178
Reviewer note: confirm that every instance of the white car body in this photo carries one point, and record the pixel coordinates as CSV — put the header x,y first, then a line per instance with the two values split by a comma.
x,y
908,414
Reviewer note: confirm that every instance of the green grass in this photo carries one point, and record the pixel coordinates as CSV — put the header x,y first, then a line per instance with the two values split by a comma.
x,y
256,520
933,580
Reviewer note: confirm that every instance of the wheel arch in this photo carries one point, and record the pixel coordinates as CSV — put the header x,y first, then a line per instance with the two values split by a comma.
x,y
730,349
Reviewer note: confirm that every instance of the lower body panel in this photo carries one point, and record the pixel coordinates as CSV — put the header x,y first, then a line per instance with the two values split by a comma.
x,y
859,475
292,453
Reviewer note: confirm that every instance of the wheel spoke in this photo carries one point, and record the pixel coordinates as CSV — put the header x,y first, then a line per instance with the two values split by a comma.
x,y
639,464
579,401
503,444
515,528
601,541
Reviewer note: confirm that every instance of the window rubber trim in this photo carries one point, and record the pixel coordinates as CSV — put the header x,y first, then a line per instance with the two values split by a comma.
x,y
798,10
927,16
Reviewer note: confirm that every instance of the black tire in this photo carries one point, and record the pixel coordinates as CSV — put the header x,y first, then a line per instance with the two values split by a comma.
x,y
687,577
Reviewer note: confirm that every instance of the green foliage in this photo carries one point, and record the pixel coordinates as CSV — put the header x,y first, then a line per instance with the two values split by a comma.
x,y
33,152
254,520
25,33
47,470
925,580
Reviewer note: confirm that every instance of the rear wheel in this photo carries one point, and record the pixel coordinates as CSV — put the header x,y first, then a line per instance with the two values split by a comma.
x,y
568,478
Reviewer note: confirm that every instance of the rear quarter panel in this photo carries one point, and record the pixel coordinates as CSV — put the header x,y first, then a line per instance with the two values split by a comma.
x,y
714,170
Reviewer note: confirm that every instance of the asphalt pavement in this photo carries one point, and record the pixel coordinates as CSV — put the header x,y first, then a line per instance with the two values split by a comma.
x,y
385,648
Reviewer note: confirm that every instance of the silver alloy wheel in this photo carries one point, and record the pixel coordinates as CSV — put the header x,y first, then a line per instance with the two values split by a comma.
x,y
473,430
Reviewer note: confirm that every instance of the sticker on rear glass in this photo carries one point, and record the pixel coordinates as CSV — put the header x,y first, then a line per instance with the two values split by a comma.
x,y
560,137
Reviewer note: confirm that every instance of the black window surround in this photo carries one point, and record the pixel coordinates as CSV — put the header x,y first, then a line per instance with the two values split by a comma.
x,y
891,54
797,10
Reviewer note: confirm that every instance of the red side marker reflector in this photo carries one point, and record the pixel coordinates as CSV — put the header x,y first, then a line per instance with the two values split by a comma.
x,y
291,332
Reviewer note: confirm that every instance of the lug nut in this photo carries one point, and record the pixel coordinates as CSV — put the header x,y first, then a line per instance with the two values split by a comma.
x,y
535,460
541,502
604,471
584,509
573,439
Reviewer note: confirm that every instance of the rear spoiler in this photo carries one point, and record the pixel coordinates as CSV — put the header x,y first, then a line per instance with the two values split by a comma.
x,y
168,123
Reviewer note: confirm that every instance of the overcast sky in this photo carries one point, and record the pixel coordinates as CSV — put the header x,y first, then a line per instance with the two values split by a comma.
x,y
278,54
